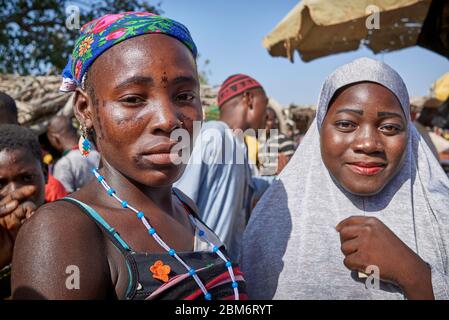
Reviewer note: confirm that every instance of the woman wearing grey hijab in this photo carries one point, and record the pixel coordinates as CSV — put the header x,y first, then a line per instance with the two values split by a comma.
x,y
363,193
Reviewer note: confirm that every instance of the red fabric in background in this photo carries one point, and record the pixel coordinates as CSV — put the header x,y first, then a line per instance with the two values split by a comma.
x,y
54,189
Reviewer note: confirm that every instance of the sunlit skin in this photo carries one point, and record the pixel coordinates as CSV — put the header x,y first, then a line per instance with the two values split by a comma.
x,y
143,89
363,143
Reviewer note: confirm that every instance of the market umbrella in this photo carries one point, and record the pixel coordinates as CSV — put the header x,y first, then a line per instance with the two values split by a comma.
x,y
317,28
440,88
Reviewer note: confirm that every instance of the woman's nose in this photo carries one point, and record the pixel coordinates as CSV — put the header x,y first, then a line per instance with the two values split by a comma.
x,y
166,118
367,140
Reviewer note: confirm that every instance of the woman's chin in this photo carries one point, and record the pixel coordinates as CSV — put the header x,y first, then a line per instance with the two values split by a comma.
x,y
363,190
159,178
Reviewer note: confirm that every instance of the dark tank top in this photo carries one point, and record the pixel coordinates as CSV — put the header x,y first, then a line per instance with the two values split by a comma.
x,y
210,268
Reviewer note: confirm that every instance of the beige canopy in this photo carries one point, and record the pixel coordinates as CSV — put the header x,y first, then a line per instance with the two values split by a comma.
x,y
440,88
316,28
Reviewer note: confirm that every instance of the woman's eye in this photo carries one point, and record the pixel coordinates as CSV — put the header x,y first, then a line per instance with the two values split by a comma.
x,y
345,125
132,100
390,129
185,97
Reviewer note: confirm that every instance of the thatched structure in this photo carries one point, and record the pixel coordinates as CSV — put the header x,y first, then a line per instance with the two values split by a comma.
x,y
302,116
38,99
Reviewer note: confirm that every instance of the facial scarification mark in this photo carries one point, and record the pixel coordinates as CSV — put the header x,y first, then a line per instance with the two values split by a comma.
x,y
164,80
100,136
185,118
137,120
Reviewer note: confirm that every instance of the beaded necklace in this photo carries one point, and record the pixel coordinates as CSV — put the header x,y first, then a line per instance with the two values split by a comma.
x,y
151,231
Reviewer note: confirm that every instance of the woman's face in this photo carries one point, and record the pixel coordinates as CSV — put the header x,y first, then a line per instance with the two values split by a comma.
x,y
19,168
364,137
143,89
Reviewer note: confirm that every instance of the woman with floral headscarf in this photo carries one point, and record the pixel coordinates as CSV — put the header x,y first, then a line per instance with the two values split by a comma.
x,y
128,234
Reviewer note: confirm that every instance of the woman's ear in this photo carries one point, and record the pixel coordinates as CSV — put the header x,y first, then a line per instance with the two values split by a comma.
x,y
82,107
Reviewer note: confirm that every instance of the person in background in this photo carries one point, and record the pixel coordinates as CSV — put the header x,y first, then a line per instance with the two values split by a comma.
x,y
276,150
293,133
21,190
8,115
223,187
8,109
54,189
423,124
72,170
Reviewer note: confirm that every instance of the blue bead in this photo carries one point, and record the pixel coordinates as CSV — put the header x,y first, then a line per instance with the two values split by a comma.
x,y
124,204
100,178
140,214
235,284
208,296
86,144
192,271
215,248
171,252
152,231
93,170
228,264
111,191
201,233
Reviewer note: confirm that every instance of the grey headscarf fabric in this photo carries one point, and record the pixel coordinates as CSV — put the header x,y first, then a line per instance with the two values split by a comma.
x,y
291,249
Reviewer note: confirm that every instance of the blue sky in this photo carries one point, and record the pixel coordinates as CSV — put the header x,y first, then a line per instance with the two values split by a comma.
x,y
229,33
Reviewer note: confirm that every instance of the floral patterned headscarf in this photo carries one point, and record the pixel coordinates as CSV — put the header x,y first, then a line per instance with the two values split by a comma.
x,y
102,33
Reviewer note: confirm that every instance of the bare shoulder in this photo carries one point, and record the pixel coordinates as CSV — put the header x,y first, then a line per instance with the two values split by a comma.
x,y
61,221
57,239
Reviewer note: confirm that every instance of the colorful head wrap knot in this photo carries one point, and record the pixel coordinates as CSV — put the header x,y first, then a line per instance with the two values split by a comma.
x,y
234,86
102,33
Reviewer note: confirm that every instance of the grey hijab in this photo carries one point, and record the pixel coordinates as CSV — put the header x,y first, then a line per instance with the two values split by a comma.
x,y
291,249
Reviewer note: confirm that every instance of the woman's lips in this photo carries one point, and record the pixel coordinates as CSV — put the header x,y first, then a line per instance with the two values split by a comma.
x,y
160,158
161,154
366,168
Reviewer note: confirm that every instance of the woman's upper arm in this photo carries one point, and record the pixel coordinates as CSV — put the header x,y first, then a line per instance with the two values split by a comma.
x,y
59,254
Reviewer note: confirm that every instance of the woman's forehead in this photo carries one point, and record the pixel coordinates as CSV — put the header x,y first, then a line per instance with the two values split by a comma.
x,y
366,95
148,54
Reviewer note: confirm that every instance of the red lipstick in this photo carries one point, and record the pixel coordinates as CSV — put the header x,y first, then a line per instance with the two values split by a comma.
x,y
366,168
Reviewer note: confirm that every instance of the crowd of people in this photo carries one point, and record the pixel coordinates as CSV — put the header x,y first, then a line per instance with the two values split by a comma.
x,y
234,208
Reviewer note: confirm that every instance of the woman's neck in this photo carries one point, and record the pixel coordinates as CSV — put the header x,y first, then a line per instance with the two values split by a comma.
x,y
136,194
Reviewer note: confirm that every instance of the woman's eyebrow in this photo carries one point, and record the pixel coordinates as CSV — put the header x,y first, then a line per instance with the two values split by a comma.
x,y
135,80
388,114
360,112
182,79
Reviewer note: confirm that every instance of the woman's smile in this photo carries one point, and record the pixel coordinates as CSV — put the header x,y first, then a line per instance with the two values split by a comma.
x,y
366,168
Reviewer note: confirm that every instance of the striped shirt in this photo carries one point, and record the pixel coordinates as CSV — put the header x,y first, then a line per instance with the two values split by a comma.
x,y
269,151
